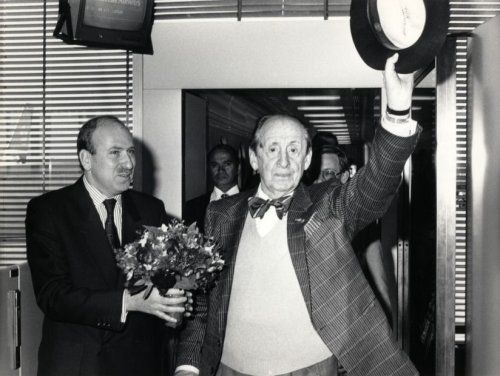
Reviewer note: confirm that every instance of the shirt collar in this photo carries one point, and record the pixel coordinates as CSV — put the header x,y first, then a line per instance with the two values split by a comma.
x,y
217,193
96,196
260,193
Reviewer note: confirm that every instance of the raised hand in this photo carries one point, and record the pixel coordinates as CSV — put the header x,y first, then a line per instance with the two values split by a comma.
x,y
398,86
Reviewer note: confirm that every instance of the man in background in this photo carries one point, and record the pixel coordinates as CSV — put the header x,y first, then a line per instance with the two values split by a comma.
x,y
223,171
92,325
329,160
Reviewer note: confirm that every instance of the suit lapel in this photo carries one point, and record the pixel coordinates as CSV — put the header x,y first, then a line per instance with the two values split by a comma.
x,y
131,225
93,237
131,219
231,231
297,217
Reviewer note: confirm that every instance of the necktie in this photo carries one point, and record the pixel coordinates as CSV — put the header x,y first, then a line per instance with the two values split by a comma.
x,y
109,225
258,206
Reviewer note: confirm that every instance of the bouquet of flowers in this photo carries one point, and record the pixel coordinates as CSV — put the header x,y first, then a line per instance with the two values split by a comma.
x,y
173,255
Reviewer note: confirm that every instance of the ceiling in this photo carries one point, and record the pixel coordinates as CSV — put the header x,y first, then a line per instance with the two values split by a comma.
x,y
339,111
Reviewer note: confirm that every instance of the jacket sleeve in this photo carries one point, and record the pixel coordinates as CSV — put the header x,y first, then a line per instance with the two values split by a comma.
x,y
55,292
369,193
192,336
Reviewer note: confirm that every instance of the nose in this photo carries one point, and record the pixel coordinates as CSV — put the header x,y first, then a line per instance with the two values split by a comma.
x,y
283,160
129,161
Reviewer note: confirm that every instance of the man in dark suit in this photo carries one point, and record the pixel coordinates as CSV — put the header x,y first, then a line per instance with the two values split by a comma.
x,y
92,325
292,298
223,171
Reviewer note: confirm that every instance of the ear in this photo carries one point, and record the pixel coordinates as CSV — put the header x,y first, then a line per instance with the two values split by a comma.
x,y
253,160
85,159
344,177
308,159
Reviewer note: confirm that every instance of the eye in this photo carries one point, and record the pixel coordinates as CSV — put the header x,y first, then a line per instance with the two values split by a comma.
x,y
114,153
293,150
273,149
131,152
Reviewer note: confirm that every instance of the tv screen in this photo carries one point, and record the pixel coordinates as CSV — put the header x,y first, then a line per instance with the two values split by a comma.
x,y
115,14
120,24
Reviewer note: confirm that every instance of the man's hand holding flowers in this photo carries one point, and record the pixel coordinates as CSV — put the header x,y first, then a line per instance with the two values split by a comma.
x,y
163,265
177,301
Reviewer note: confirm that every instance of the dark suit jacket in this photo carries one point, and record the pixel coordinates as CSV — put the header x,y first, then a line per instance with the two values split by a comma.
x,y
322,220
195,209
79,288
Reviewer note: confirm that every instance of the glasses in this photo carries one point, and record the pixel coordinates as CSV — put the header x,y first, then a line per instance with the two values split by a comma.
x,y
330,173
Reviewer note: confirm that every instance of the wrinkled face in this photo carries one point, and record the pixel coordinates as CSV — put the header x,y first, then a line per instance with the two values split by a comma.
x,y
111,168
281,156
330,167
223,170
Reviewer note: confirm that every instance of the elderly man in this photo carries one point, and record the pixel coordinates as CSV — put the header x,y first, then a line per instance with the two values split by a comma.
x,y
223,170
92,326
293,299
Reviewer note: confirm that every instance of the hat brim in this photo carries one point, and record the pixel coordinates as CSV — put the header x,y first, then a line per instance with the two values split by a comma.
x,y
419,55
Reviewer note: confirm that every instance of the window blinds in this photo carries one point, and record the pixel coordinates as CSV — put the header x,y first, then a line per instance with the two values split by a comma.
x,y
47,90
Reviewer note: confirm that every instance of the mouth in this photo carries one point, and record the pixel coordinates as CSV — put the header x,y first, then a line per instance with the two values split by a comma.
x,y
126,176
282,176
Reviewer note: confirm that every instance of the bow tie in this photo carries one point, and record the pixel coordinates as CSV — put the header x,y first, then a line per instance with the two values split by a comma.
x,y
258,206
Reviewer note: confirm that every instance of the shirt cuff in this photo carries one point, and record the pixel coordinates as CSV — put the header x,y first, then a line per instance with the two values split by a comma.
x,y
399,126
123,317
188,368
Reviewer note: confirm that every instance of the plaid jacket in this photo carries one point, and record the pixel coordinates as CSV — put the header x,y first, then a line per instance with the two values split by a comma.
x,y
322,221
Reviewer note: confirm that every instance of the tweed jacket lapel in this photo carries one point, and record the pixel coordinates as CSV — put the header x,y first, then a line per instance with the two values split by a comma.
x,y
230,236
297,217
92,236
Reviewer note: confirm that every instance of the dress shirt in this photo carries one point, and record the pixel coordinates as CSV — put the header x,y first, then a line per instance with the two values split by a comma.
x,y
98,198
397,125
270,219
217,193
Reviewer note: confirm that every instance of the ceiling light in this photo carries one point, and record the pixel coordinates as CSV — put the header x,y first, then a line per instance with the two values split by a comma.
x,y
337,115
325,121
339,126
314,97
319,108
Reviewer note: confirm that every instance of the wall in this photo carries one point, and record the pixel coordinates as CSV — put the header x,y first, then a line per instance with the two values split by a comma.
x,y
483,336
285,53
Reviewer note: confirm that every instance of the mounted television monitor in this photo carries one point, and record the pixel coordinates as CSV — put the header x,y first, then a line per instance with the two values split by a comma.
x,y
115,24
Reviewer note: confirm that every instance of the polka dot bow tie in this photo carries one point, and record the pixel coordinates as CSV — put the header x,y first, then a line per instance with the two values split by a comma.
x,y
258,206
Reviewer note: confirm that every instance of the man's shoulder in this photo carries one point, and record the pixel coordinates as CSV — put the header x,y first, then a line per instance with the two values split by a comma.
x,y
142,198
55,196
319,190
228,205
202,200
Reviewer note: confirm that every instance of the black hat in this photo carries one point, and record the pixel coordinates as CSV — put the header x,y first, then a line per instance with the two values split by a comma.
x,y
376,28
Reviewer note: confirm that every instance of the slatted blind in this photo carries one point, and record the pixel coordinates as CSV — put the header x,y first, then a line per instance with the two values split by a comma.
x,y
47,90
465,16
461,209
171,9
